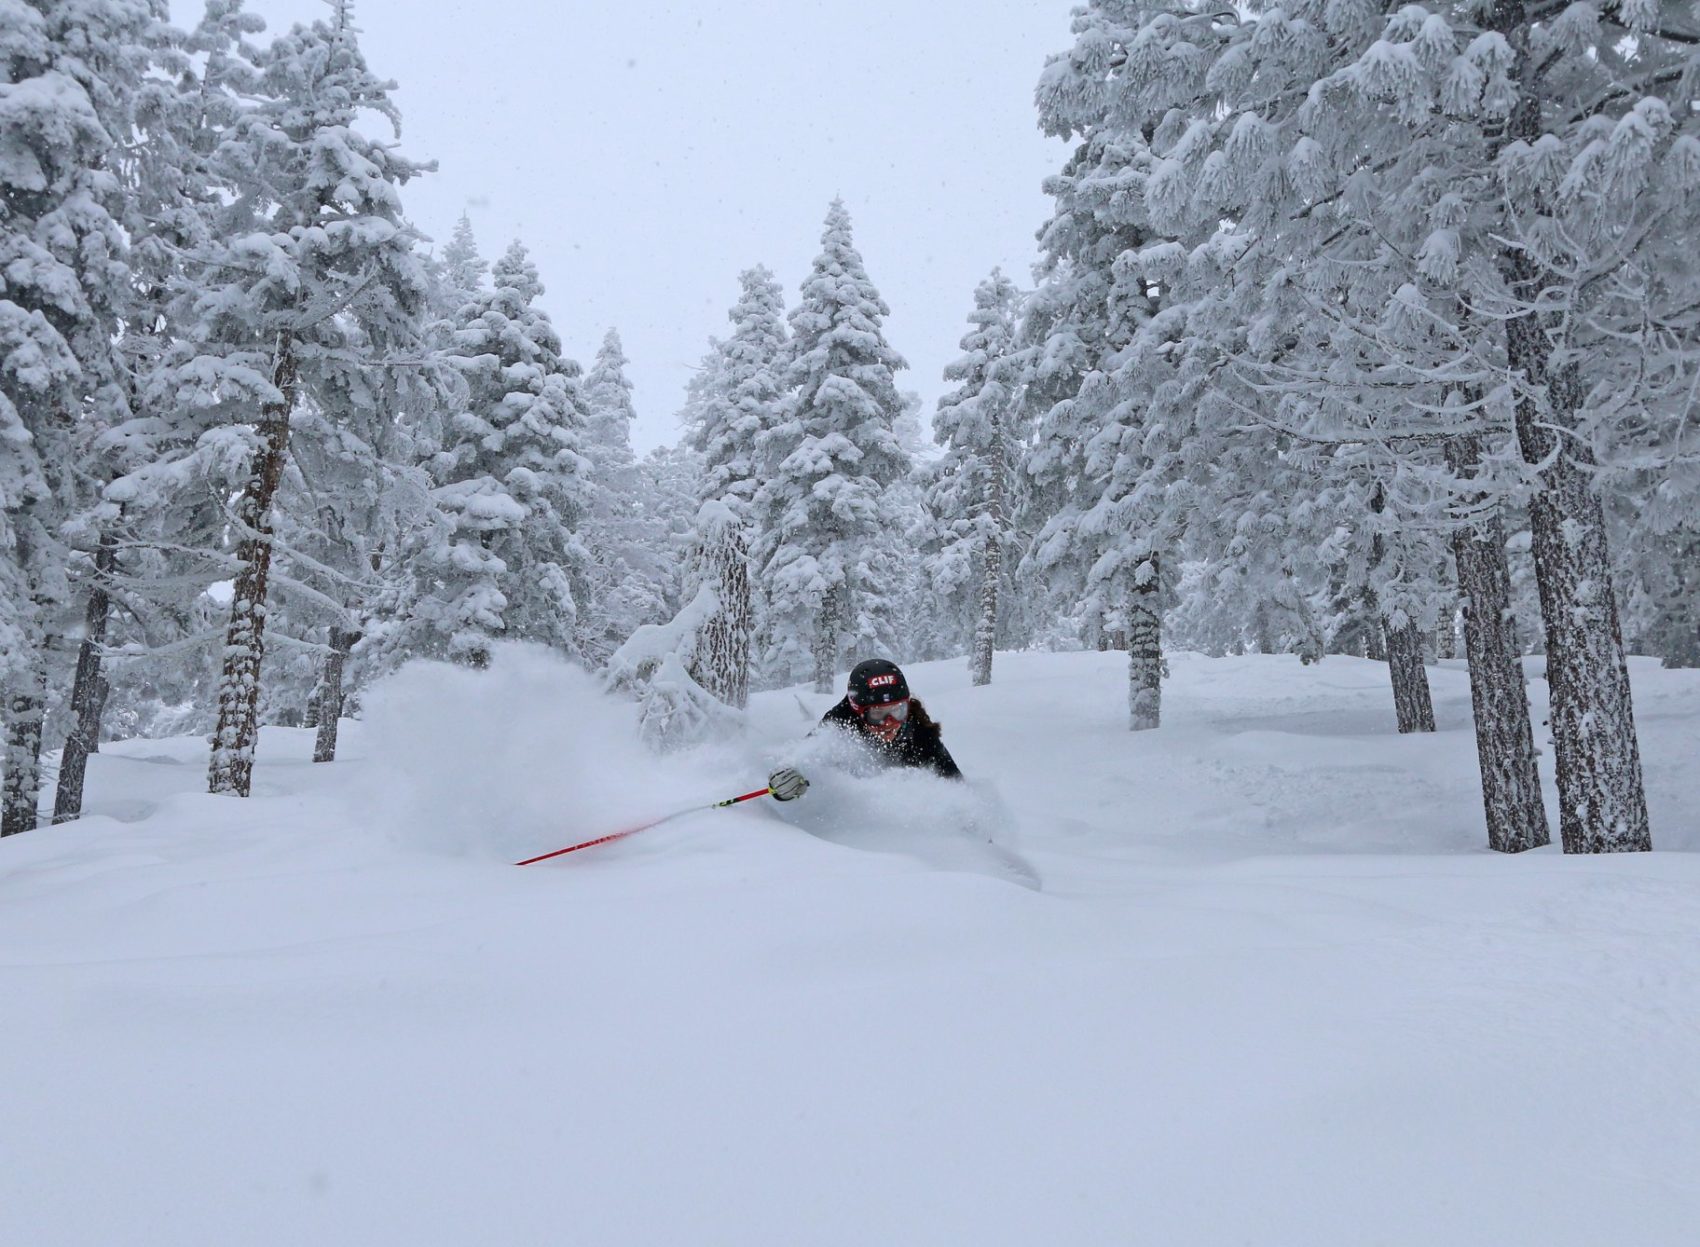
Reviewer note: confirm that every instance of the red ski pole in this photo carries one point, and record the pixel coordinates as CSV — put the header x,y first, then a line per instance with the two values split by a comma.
x,y
632,831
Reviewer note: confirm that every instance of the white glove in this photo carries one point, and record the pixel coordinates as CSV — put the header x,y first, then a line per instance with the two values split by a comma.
x,y
787,784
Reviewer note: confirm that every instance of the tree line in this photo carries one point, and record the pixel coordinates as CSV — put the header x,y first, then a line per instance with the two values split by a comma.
x,y
1357,328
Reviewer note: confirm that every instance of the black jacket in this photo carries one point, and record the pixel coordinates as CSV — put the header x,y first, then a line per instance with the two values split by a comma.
x,y
917,742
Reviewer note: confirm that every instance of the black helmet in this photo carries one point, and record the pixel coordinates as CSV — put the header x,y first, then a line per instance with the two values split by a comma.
x,y
876,682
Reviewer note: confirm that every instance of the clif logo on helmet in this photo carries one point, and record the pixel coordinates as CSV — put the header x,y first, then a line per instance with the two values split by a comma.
x,y
876,681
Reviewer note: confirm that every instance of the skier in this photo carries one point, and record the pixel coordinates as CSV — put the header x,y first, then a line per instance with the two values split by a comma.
x,y
878,711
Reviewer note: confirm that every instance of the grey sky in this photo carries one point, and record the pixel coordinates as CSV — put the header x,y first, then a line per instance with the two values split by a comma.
x,y
647,152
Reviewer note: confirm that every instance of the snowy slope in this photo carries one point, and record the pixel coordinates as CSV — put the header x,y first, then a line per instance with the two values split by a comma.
x,y
1274,990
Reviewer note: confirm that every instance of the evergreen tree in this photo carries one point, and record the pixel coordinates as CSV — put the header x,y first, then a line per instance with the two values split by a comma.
x,y
627,572
608,398
69,77
830,461
1384,209
463,269
669,478
1539,164
178,115
502,559
737,397
309,274
971,497
151,542
1098,537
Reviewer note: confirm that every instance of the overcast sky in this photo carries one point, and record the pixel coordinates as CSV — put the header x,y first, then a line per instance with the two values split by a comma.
x,y
646,152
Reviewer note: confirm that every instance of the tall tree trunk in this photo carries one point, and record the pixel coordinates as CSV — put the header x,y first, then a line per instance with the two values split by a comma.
x,y
986,626
1402,645
1505,741
102,691
1262,629
328,703
88,690
1446,635
995,517
231,768
1412,705
827,632
721,663
1145,655
1375,640
1597,760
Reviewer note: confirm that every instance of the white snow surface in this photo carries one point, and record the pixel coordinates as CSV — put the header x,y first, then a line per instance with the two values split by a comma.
x,y
1274,991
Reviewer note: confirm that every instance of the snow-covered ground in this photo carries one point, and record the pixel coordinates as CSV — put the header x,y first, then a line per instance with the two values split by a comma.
x,y
1274,991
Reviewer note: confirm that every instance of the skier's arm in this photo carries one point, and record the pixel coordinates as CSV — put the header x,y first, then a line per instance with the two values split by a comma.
x,y
942,762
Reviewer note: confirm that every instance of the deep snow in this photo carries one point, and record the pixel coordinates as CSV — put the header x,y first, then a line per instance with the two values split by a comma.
x,y
1274,992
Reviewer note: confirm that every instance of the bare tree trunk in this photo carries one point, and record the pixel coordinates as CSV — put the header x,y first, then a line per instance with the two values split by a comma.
x,y
88,690
1412,705
721,663
1402,647
1505,741
1597,760
1262,629
231,767
827,622
1446,635
328,703
102,691
995,516
1145,656
986,626
1375,643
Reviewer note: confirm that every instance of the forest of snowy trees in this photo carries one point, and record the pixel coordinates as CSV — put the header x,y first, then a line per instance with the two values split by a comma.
x,y
1359,328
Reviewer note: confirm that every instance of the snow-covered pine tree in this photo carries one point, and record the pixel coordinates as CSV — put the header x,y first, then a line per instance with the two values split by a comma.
x,y
1264,123
608,399
178,113
971,496
355,490
310,265
830,461
1097,536
1505,746
669,478
69,77
721,662
738,396
627,573
897,612
674,710
502,559
1595,146
463,270
1537,165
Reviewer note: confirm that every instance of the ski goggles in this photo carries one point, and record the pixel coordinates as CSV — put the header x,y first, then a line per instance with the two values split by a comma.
x,y
898,710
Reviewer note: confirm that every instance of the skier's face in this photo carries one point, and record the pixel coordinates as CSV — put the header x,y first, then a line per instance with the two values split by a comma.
x,y
885,720
895,710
